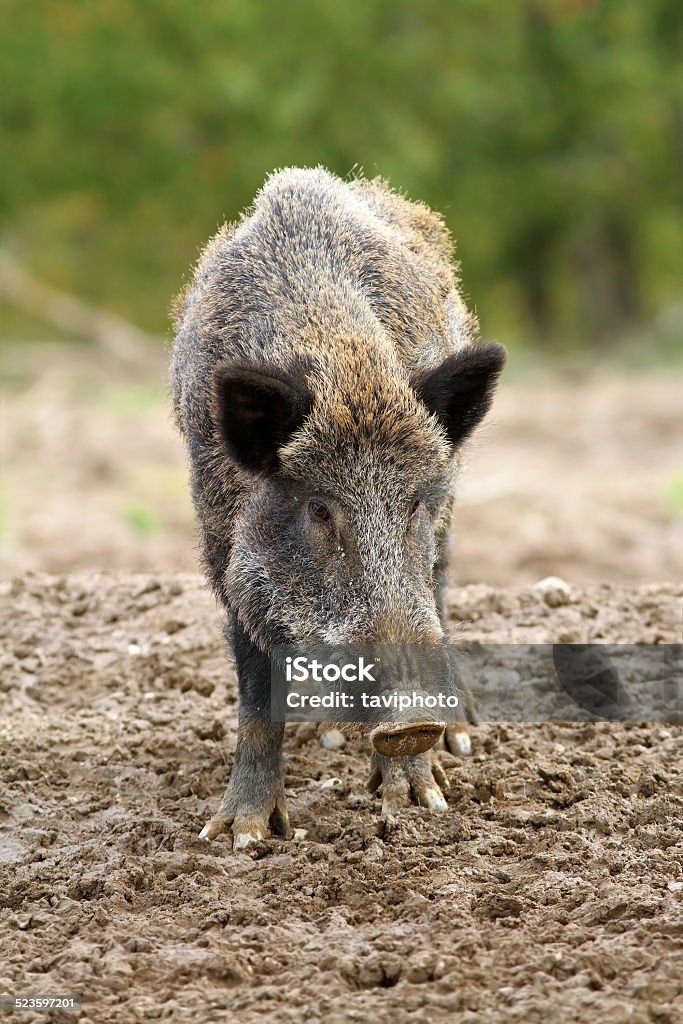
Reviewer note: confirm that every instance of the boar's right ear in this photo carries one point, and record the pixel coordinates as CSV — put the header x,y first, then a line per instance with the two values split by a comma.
x,y
460,390
256,413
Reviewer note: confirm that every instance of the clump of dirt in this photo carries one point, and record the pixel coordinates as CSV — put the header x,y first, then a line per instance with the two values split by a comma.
x,y
551,889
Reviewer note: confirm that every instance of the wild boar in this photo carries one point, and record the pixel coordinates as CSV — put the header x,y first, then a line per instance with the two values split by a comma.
x,y
325,377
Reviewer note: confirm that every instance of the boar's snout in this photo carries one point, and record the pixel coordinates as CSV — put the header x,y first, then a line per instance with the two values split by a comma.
x,y
416,729
399,739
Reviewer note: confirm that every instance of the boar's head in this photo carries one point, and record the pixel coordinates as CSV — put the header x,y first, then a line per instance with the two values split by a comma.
x,y
348,486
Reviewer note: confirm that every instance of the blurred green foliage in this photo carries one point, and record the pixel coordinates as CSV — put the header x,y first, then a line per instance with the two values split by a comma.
x,y
545,131
141,520
673,498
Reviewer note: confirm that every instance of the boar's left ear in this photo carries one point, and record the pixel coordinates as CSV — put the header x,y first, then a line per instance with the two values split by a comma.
x,y
256,412
460,390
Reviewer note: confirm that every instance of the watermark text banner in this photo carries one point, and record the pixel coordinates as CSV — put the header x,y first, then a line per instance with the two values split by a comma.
x,y
372,683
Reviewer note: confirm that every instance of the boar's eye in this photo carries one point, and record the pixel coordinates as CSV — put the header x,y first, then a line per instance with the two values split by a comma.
x,y
413,508
319,512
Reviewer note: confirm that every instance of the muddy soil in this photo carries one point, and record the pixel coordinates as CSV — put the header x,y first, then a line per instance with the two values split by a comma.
x,y
551,889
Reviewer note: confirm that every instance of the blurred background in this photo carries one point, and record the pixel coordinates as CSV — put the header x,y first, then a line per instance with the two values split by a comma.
x,y
548,134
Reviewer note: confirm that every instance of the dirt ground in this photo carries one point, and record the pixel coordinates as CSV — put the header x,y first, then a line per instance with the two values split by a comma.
x,y
550,890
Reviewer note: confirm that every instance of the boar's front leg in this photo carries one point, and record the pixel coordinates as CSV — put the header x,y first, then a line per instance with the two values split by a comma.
x,y
403,780
255,798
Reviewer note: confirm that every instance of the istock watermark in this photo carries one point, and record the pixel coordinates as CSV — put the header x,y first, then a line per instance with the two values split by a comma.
x,y
367,683
300,669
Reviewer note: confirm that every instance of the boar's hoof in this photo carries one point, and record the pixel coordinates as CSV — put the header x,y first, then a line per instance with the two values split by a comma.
x,y
213,828
403,739
457,739
404,780
248,827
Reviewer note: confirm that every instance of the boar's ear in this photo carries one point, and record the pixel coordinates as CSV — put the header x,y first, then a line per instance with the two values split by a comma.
x,y
460,390
256,412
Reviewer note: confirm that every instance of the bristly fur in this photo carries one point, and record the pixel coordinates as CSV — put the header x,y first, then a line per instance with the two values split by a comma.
x,y
345,296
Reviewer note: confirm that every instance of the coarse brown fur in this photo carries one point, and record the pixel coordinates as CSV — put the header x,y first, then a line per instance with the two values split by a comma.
x,y
351,277
343,298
